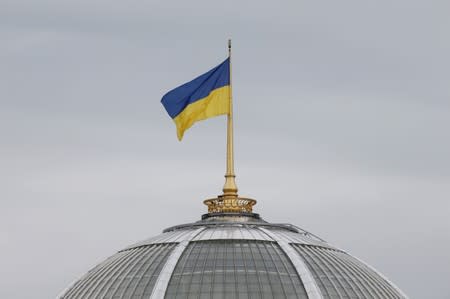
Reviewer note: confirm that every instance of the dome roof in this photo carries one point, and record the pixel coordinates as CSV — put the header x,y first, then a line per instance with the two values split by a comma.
x,y
228,256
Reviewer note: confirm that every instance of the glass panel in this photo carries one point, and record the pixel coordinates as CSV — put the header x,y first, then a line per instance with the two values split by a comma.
x,y
235,269
127,274
340,275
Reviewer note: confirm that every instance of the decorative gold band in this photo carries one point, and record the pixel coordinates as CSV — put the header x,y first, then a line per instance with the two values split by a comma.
x,y
230,204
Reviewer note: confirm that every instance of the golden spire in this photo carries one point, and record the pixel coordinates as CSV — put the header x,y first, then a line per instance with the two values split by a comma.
x,y
229,201
230,188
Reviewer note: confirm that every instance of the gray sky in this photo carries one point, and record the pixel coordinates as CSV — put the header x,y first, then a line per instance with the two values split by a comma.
x,y
341,119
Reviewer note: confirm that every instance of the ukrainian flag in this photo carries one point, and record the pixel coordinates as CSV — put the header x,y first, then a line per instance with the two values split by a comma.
x,y
206,96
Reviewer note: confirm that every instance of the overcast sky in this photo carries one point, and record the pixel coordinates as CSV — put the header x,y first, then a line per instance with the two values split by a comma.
x,y
341,127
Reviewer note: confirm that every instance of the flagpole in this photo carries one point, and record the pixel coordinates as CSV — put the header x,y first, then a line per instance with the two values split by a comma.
x,y
230,188
229,202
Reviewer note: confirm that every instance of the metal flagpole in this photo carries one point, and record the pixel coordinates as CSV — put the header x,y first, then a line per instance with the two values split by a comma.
x,y
230,188
229,202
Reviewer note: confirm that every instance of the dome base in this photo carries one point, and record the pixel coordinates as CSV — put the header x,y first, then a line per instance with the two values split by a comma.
x,y
226,215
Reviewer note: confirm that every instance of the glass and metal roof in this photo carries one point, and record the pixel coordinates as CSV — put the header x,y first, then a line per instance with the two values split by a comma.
x,y
234,269
340,275
232,257
127,274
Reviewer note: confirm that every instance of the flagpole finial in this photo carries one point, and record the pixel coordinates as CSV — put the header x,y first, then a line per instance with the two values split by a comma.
x,y
229,44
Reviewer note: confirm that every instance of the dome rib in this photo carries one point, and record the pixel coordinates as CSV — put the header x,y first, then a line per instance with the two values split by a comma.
x,y
160,288
311,287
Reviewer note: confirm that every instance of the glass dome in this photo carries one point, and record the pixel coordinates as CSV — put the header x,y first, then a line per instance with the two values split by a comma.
x,y
232,256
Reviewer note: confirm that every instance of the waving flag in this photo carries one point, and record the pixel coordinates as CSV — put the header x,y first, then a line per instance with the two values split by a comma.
x,y
206,96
